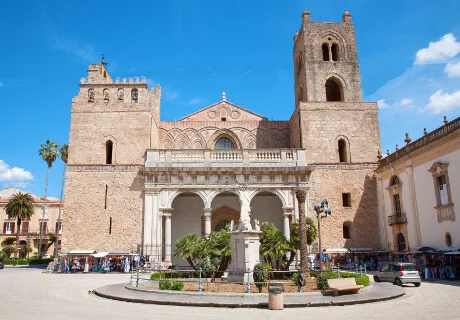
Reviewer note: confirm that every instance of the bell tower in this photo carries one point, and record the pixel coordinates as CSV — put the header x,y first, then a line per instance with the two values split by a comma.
x,y
326,62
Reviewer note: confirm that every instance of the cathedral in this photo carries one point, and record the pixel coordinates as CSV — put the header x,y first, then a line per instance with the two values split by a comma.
x,y
137,184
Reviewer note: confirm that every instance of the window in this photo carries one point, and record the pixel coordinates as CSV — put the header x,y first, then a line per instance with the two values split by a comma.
x,y
444,205
44,226
346,231
105,198
346,199
91,95
58,227
343,154
401,242
224,143
25,227
325,49
108,152
223,119
135,96
397,204
448,240
333,91
106,95
394,181
334,51
8,227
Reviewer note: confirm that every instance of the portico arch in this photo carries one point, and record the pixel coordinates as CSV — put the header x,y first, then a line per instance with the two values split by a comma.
x,y
267,206
225,206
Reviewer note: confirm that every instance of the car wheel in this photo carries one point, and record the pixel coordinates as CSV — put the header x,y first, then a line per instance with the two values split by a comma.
x,y
417,284
376,279
398,282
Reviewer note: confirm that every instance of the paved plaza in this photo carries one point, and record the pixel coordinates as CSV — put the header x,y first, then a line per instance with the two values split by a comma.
x,y
30,294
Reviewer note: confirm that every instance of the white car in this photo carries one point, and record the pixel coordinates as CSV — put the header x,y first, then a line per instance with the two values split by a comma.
x,y
399,273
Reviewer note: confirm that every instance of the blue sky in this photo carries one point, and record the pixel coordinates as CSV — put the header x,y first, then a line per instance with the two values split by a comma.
x,y
197,49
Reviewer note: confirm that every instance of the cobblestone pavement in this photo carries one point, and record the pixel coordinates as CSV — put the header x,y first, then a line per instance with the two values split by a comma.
x,y
30,294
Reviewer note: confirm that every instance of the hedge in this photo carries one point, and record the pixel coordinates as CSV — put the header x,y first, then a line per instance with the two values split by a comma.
x,y
15,262
174,275
35,261
171,285
321,278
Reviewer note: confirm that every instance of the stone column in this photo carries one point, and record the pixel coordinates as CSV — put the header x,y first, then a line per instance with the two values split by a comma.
x,y
301,195
207,221
287,212
167,236
148,215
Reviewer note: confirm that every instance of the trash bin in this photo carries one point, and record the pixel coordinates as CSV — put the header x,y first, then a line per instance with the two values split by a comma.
x,y
275,296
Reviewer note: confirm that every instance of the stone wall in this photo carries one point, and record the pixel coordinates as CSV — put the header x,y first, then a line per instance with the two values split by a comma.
x,y
329,182
86,223
325,123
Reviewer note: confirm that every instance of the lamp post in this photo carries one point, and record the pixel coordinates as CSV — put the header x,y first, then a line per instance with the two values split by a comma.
x,y
321,212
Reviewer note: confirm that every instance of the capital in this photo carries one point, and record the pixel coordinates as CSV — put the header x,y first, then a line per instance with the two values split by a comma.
x,y
301,195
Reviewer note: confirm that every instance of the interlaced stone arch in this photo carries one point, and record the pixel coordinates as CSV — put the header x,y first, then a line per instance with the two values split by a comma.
x,y
176,193
224,133
279,194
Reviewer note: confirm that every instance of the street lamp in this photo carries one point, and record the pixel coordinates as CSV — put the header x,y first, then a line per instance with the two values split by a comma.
x,y
324,208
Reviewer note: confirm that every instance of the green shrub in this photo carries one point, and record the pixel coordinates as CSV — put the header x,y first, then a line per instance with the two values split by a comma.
x,y
171,285
260,275
174,275
321,278
15,262
155,276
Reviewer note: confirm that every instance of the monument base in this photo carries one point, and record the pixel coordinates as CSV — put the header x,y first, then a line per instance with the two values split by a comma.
x,y
245,254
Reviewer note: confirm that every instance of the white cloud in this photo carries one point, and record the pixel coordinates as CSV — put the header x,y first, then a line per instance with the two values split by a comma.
x,y
83,51
1,84
453,69
15,177
195,101
442,102
437,52
382,104
405,101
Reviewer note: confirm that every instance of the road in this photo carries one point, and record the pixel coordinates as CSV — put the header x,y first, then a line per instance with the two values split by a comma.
x,y
31,294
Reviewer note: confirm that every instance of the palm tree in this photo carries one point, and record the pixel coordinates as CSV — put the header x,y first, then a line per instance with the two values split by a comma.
x,y
49,152
20,207
64,153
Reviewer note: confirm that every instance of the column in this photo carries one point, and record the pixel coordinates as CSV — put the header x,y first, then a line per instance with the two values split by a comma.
x,y
301,195
207,221
167,217
148,213
287,212
330,51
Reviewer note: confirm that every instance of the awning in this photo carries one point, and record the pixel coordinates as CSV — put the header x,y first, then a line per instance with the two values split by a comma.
x,y
81,252
121,253
336,250
100,254
452,252
361,250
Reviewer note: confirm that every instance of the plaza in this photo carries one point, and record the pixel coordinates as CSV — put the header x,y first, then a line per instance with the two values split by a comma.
x,y
65,296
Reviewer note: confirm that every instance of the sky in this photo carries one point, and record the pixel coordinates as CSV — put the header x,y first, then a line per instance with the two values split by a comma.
x,y
409,60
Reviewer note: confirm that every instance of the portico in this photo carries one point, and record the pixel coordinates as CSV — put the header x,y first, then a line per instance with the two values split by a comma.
x,y
200,191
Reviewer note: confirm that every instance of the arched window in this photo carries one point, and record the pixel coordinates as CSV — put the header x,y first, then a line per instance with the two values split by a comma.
x,y
325,49
343,154
224,143
91,95
401,242
346,231
335,52
394,181
106,94
448,240
135,95
108,152
333,91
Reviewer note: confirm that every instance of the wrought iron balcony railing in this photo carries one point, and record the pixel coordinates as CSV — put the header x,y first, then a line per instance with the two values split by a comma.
x,y
397,219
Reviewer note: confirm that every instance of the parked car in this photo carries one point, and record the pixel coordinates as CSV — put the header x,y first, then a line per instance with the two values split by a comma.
x,y
2,264
398,273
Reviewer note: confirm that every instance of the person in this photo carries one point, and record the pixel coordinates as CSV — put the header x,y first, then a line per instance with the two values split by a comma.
x,y
301,282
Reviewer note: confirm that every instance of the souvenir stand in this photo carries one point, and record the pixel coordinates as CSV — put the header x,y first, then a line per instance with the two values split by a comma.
x,y
76,260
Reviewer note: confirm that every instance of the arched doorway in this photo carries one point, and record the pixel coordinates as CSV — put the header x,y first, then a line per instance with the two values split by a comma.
x,y
401,242
267,207
225,208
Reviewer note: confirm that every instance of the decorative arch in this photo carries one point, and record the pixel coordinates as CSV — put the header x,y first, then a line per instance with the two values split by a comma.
x,y
176,193
106,94
275,192
401,242
330,37
223,133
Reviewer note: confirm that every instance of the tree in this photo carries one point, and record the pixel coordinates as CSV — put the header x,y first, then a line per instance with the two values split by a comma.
x,y
9,241
9,250
20,207
25,250
312,231
64,155
301,195
52,238
49,152
273,245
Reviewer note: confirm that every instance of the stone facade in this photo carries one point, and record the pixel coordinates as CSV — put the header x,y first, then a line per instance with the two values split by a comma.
x,y
144,183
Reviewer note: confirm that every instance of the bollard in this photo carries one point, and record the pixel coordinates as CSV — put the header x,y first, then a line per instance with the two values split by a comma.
x,y
361,272
365,270
200,287
338,273
137,280
249,280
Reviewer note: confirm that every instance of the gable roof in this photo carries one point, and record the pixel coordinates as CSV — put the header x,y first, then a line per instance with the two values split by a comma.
x,y
233,111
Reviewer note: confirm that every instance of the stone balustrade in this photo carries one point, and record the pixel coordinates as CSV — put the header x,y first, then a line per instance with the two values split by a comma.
x,y
227,158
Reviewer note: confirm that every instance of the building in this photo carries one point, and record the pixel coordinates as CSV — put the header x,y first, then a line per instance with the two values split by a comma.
x,y
147,182
30,229
418,186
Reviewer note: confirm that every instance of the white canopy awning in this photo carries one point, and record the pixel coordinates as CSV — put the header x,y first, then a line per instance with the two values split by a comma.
x,y
81,252
336,250
100,254
452,252
361,250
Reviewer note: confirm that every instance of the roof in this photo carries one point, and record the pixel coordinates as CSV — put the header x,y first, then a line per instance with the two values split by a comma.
x,y
7,193
223,104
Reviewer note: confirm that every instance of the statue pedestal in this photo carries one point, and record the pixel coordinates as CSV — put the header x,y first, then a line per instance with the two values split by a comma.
x,y
245,254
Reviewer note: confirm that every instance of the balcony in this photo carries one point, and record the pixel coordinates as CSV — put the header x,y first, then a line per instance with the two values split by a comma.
x,y
397,219
226,158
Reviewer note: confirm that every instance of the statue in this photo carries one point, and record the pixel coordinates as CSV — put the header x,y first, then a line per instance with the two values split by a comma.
x,y
232,225
257,225
120,94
